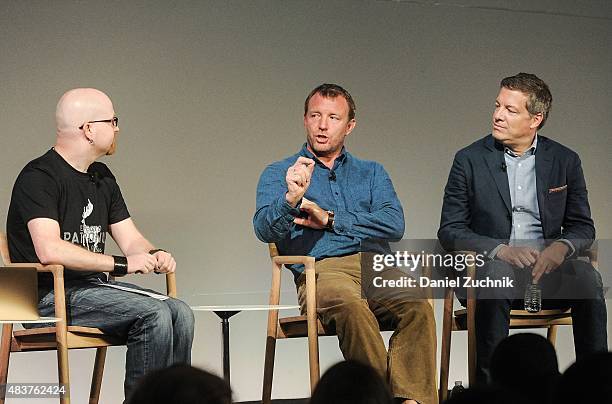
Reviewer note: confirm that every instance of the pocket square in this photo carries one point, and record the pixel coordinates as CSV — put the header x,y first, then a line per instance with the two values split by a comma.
x,y
558,189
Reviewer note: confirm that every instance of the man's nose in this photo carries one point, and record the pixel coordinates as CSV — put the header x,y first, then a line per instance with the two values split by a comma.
x,y
323,123
498,115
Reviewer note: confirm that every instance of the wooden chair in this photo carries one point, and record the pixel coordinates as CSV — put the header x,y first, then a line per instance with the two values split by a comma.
x,y
62,337
464,320
307,325
292,327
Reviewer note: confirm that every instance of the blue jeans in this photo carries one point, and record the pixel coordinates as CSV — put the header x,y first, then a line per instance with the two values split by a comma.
x,y
157,333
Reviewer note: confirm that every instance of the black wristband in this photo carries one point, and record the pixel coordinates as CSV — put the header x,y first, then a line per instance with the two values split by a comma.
x,y
156,251
120,267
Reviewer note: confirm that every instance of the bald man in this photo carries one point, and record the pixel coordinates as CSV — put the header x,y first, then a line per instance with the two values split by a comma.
x,y
63,205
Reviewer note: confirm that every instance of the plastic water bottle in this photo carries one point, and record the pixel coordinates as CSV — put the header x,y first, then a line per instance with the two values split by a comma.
x,y
458,389
533,298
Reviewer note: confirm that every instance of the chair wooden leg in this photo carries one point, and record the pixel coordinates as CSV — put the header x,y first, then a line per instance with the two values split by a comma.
x,y
471,353
61,337
471,328
96,379
5,352
447,330
266,395
63,371
313,326
268,370
551,334
313,359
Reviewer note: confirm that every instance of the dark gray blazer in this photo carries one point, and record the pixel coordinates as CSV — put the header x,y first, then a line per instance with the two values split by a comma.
x,y
476,213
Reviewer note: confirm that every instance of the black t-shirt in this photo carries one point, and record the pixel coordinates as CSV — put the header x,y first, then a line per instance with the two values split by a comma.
x,y
84,205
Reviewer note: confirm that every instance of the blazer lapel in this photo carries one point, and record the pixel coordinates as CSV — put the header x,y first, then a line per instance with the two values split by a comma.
x,y
544,164
495,161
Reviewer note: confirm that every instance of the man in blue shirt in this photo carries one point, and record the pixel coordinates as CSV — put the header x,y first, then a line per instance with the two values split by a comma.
x,y
324,202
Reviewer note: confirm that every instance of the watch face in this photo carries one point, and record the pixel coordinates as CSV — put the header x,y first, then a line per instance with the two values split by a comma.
x,y
330,219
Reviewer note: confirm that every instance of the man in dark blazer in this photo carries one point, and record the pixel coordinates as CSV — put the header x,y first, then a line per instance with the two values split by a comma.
x,y
520,200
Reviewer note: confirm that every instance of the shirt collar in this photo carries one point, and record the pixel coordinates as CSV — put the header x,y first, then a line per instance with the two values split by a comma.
x,y
306,153
531,150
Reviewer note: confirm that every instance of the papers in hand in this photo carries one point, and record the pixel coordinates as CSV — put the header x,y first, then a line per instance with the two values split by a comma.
x,y
133,290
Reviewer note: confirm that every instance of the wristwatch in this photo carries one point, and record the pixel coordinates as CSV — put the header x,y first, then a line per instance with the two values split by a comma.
x,y
330,220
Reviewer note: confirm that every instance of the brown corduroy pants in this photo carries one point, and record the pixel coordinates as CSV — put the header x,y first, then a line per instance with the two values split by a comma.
x,y
410,365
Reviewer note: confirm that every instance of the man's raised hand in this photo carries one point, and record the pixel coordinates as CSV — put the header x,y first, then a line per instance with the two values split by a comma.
x,y
298,179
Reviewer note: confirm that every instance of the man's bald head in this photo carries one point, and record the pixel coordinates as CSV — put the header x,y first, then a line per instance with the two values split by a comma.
x,y
81,105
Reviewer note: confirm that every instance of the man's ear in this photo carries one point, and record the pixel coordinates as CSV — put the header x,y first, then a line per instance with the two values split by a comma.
x,y
351,125
536,120
89,132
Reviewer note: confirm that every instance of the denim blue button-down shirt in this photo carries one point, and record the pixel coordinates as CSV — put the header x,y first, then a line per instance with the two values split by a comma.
x,y
359,192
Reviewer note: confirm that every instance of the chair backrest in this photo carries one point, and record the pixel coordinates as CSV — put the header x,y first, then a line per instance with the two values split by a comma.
x,y
273,250
4,250
592,255
18,293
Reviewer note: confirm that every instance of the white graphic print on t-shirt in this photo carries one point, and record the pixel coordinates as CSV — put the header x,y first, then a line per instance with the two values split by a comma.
x,y
89,237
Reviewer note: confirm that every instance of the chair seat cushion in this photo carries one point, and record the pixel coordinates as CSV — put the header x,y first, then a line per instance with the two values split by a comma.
x,y
44,338
524,313
523,319
51,330
297,327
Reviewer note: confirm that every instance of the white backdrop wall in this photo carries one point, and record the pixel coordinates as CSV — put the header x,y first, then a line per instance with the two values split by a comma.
x,y
210,92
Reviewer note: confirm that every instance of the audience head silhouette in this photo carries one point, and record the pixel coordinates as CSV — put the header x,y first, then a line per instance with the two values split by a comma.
x,y
527,364
181,384
351,382
587,381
